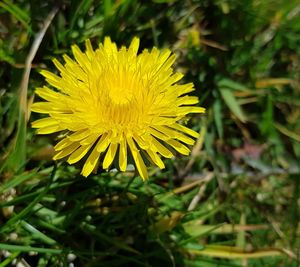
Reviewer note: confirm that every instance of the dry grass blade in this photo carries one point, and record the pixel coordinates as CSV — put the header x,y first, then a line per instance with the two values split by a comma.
x,y
33,50
236,253
200,193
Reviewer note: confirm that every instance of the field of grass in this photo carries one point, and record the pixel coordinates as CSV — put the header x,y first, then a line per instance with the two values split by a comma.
x,y
235,201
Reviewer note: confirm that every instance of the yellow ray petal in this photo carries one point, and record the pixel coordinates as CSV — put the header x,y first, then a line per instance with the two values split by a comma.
x,y
110,155
92,160
63,144
166,131
187,100
184,129
50,76
58,65
66,151
169,62
174,134
179,147
134,46
109,46
158,134
50,129
156,159
41,107
69,62
47,107
142,143
139,163
90,163
123,155
89,49
175,78
52,79
79,135
163,55
45,122
185,139
104,142
79,153
182,89
89,139
81,58
158,147
183,110
48,94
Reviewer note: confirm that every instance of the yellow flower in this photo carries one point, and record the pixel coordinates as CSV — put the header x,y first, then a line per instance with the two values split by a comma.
x,y
111,102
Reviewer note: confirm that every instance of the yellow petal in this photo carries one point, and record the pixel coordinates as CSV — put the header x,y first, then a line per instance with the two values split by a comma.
x,y
179,147
58,65
89,139
63,144
52,79
139,163
90,163
79,135
174,134
166,131
49,75
104,142
163,55
182,89
66,151
80,57
50,129
110,155
156,159
79,153
185,139
187,100
134,46
48,94
175,78
109,47
41,107
123,155
186,110
47,107
158,134
142,143
89,49
169,62
184,129
158,147
44,123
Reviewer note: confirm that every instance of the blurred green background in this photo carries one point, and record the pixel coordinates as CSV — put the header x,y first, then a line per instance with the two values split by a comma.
x,y
233,202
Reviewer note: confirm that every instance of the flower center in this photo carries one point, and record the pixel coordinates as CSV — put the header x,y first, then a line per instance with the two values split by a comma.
x,y
120,95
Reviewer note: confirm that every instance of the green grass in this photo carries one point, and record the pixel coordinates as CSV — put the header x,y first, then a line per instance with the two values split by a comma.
x,y
233,202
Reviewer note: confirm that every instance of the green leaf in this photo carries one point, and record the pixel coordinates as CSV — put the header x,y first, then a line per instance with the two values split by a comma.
x,y
9,259
17,12
232,103
15,181
217,109
17,157
226,83
10,247
35,233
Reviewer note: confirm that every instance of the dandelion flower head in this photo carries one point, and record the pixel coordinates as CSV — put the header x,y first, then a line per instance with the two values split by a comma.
x,y
114,102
